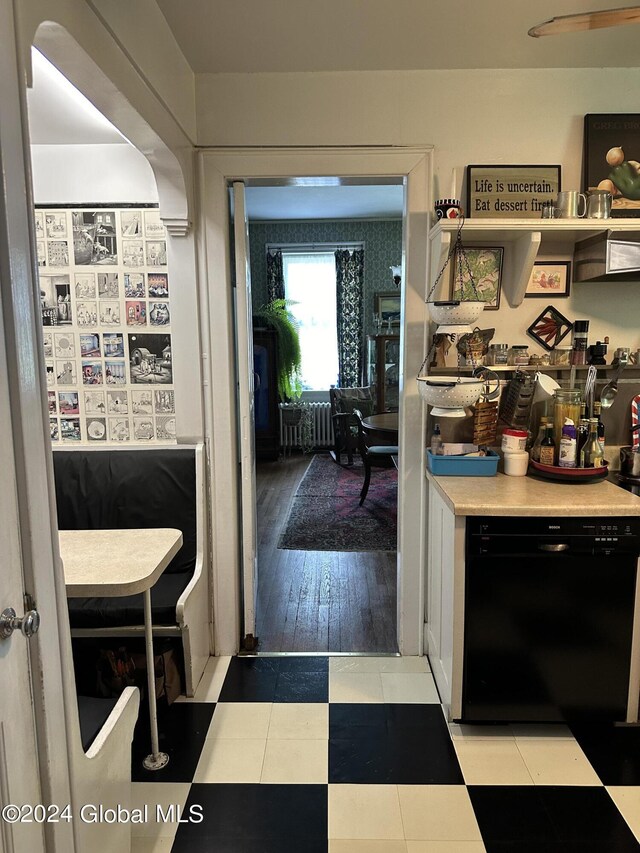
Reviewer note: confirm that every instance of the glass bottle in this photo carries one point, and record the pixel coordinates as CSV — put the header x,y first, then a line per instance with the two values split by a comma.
x,y
436,441
535,448
597,414
566,405
592,456
548,448
583,437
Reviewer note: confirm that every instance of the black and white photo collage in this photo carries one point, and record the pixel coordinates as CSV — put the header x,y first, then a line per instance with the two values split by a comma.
x,y
106,317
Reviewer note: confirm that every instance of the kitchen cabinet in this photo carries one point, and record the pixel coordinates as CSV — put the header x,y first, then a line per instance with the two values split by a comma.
x,y
383,370
267,417
523,240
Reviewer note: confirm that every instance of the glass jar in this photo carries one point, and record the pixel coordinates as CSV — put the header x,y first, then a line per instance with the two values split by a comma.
x,y
560,356
498,354
518,354
566,404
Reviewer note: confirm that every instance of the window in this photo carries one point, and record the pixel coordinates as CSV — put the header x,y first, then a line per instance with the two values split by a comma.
x,y
310,282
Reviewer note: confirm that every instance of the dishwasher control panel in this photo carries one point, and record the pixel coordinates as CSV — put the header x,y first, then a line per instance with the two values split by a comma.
x,y
604,536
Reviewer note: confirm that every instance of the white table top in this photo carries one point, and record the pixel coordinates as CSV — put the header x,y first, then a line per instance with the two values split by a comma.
x,y
112,563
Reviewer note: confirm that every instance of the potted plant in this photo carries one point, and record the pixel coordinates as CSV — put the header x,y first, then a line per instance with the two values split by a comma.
x,y
276,315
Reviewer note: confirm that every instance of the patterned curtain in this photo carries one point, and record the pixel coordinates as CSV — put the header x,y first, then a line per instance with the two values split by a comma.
x,y
275,276
350,310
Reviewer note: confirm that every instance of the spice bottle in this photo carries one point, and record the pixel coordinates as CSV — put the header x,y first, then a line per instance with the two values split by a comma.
x,y
580,342
548,448
568,443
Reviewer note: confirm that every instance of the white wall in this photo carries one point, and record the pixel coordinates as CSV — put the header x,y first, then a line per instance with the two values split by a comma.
x,y
471,116
94,174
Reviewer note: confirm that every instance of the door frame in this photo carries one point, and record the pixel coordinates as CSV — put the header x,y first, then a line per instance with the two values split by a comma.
x,y
43,579
217,169
246,413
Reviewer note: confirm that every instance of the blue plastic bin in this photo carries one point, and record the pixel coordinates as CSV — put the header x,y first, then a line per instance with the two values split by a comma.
x,y
463,466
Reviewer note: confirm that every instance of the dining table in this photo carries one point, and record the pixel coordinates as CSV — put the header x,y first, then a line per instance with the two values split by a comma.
x,y
381,429
114,563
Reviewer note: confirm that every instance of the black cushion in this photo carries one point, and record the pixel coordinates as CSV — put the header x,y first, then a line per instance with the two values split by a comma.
x,y
93,715
129,609
111,489
124,489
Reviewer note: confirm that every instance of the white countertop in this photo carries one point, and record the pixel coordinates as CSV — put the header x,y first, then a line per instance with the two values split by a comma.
x,y
522,496
116,562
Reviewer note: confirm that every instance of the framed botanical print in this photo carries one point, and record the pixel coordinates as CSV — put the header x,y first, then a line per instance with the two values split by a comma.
x,y
485,268
549,278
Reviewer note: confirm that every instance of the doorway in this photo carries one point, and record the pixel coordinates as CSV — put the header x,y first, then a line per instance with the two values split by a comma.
x,y
326,566
219,169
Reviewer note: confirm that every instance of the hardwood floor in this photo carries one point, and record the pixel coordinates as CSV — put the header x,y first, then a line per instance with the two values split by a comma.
x,y
317,601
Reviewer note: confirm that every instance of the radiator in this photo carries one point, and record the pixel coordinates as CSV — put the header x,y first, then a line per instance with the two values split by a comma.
x,y
321,428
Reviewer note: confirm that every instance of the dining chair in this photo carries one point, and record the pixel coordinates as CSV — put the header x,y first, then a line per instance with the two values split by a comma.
x,y
345,434
373,455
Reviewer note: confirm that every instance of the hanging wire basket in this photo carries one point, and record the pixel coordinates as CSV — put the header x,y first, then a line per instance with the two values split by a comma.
x,y
454,318
456,312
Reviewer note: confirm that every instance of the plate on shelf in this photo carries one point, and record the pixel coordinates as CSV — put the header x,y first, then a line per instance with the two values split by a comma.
x,y
568,475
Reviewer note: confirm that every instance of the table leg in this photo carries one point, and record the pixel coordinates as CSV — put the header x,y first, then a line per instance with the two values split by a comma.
x,y
157,760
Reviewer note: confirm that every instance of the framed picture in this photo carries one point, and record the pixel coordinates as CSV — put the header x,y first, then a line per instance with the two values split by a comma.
x,y
549,278
549,328
485,265
387,305
516,192
610,152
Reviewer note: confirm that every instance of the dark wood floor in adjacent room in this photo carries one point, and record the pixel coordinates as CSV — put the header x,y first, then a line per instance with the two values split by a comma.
x,y
317,601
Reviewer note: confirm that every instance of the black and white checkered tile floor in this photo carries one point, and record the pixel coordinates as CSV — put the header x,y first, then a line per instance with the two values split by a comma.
x,y
353,755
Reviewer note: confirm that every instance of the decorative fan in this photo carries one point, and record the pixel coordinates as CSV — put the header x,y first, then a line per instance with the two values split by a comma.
x,y
587,21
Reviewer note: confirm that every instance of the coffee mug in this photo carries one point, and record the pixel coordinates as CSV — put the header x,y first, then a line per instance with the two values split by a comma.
x,y
599,204
448,208
568,205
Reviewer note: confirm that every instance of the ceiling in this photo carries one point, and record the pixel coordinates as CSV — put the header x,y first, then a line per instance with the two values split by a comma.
x,y
332,202
220,36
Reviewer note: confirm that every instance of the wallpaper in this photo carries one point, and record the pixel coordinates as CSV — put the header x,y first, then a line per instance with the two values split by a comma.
x,y
106,317
382,249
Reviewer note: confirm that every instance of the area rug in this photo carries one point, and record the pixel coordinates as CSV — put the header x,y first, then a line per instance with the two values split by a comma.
x,y
325,514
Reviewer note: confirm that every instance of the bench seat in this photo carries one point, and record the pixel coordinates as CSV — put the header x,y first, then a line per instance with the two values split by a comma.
x,y
93,713
115,488
129,609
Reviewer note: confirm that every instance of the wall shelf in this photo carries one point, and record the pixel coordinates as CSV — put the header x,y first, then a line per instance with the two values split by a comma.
x,y
542,368
523,239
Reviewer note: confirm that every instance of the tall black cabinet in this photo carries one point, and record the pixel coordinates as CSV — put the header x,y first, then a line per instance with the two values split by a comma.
x,y
267,419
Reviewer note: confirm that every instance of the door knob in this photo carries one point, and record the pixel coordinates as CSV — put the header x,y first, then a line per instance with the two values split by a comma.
x,y
10,621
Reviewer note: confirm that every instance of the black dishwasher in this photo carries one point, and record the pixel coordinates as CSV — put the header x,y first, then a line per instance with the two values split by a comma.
x,y
549,610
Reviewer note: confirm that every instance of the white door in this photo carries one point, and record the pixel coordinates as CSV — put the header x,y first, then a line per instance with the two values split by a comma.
x,y
19,779
246,439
